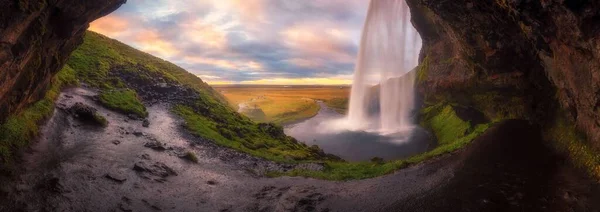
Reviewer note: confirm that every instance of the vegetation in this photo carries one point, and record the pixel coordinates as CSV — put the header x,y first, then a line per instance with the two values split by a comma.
x,y
422,70
20,128
125,101
452,133
262,140
498,106
209,117
191,156
100,120
568,140
283,105
340,105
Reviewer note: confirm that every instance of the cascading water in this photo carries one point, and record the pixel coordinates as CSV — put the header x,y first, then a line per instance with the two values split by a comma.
x,y
378,123
388,52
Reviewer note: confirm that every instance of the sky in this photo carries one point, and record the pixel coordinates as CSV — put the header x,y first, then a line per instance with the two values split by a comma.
x,y
283,42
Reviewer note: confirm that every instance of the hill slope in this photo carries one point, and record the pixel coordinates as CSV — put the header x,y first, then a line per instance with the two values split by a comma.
x,y
128,79
122,72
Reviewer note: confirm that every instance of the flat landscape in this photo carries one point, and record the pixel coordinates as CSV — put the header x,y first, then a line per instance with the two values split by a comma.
x,y
283,104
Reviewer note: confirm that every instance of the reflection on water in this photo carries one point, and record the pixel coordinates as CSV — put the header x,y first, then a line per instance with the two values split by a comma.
x,y
327,129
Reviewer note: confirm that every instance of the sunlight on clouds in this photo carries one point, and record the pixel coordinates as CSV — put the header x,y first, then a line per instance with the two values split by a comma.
x,y
150,41
313,41
240,41
298,81
111,26
301,62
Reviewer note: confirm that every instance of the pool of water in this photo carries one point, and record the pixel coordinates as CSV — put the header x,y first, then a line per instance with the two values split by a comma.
x,y
358,145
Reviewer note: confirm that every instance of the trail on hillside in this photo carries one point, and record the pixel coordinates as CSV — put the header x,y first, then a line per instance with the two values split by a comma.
x,y
77,167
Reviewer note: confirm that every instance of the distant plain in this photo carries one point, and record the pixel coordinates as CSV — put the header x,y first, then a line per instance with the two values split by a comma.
x,y
285,104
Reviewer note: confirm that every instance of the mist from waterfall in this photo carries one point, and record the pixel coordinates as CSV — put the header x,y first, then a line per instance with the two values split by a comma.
x,y
389,50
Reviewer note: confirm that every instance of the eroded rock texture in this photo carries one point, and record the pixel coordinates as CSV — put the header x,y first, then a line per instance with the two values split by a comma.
x,y
529,59
36,38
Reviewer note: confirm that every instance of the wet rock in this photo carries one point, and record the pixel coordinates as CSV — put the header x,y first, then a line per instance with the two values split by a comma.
x,y
145,156
51,184
125,207
133,116
138,133
271,198
116,142
146,123
212,182
155,145
156,169
117,177
152,205
87,114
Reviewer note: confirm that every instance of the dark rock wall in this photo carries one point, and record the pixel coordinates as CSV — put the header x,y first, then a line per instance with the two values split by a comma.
x,y
36,38
513,58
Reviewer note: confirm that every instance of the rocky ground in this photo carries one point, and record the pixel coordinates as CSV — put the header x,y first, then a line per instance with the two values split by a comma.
x,y
82,166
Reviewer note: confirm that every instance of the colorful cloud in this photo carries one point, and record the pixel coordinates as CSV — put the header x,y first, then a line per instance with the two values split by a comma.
x,y
246,41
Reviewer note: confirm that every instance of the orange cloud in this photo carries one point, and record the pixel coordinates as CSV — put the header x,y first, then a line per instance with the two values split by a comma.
x,y
111,25
305,62
234,65
299,81
317,42
205,34
150,41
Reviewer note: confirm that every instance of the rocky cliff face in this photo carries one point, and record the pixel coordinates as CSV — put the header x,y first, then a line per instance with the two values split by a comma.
x,y
534,59
36,38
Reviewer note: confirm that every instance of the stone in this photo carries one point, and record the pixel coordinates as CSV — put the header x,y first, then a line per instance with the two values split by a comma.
x,y
156,169
117,177
155,145
116,142
146,123
87,114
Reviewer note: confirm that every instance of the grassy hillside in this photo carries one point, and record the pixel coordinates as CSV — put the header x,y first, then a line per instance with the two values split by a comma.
x,y
209,116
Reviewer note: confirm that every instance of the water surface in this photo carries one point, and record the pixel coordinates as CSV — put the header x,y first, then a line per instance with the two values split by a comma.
x,y
358,145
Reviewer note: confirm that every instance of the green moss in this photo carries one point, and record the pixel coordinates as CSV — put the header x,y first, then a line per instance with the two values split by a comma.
x,y
125,101
445,124
191,156
17,131
498,106
100,120
263,140
423,69
364,170
452,134
569,141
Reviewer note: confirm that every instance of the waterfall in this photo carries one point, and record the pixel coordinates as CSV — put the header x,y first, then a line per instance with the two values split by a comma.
x,y
389,50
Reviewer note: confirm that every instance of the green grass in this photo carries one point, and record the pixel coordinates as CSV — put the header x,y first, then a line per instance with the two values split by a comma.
x,y
305,112
444,123
19,129
452,134
340,105
262,140
125,101
210,117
